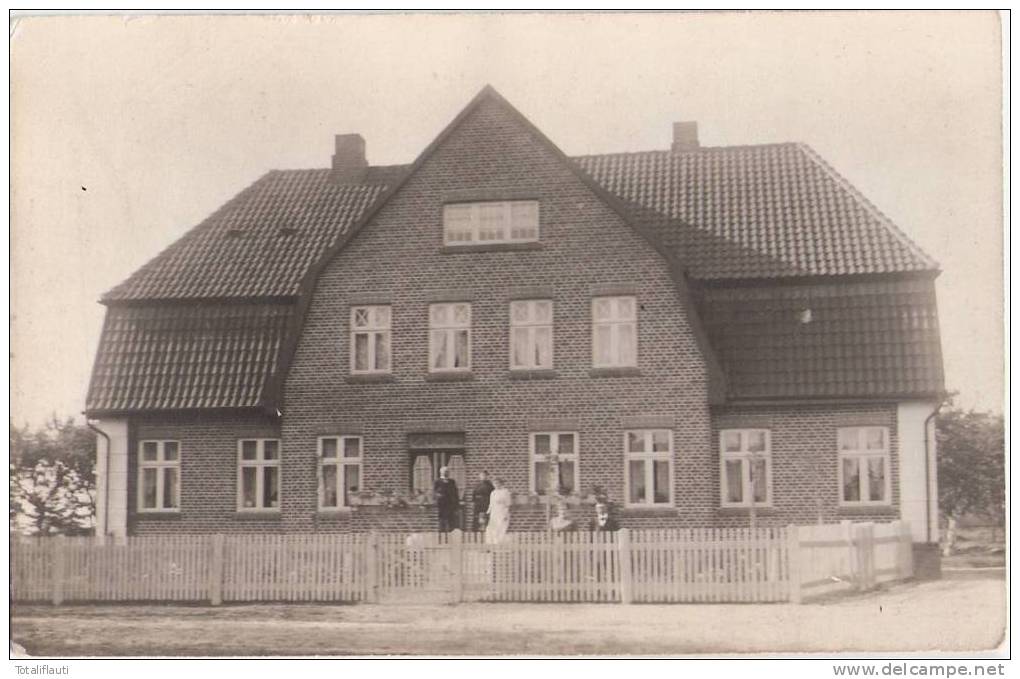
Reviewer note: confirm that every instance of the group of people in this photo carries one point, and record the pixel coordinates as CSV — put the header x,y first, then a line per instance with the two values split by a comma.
x,y
491,502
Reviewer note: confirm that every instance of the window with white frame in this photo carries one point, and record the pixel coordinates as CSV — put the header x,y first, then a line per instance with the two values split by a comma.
x,y
339,470
554,462
614,332
258,474
450,337
159,474
531,334
746,466
370,339
649,470
864,476
514,221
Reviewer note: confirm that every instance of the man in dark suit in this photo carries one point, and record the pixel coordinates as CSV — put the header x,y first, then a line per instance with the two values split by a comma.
x,y
447,500
480,500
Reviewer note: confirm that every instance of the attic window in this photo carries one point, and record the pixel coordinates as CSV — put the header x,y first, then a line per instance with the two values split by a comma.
x,y
514,221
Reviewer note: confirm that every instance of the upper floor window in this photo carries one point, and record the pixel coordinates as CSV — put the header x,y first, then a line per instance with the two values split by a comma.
x,y
449,337
258,474
746,466
864,465
614,332
159,473
554,462
370,339
649,470
339,470
514,221
531,334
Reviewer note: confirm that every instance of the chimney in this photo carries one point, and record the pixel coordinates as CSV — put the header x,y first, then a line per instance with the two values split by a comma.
x,y
349,161
685,136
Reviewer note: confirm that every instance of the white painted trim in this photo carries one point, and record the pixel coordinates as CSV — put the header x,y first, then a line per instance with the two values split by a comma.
x,y
450,328
160,465
112,478
863,454
372,329
532,326
573,456
259,463
474,221
615,322
648,456
745,457
341,462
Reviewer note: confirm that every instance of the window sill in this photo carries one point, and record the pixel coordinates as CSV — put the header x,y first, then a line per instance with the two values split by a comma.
x,y
159,516
534,374
615,372
335,513
450,376
492,247
259,515
866,509
761,510
647,510
370,378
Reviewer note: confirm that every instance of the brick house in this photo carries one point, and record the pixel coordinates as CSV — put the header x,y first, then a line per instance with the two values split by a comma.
x,y
689,332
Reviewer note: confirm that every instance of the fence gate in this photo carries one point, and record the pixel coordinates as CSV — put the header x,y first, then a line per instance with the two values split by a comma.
x,y
416,568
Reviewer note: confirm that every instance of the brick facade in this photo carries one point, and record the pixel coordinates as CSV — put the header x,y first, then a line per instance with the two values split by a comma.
x,y
585,250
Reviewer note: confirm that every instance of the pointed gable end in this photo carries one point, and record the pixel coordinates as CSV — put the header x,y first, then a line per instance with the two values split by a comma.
x,y
501,165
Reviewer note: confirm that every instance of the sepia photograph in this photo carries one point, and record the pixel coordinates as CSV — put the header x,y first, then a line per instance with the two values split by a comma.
x,y
514,335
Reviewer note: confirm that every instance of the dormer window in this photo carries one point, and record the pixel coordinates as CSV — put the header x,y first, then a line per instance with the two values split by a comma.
x,y
513,221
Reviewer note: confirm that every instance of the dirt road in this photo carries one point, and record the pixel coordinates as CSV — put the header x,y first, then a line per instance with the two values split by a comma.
x,y
965,611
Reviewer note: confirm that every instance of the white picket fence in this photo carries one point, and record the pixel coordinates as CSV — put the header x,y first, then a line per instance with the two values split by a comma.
x,y
629,566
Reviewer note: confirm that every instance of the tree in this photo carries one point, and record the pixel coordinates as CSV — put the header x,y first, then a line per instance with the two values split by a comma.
x,y
971,466
52,486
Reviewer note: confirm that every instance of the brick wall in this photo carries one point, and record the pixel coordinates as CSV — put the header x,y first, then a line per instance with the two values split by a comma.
x,y
586,250
399,259
208,472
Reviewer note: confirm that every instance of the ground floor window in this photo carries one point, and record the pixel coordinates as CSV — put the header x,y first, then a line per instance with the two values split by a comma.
x,y
649,468
425,466
339,470
746,466
864,465
554,462
159,473
258,474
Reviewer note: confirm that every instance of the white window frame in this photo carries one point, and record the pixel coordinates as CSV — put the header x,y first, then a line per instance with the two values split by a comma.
x,y
372,330
450,327
470,229
532,325
161,465
341,462
436,460
862,455
649,457
259,463
554,443
614,322
745,456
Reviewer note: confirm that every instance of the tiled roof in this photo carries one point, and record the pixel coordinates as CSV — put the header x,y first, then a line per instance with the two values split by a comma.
x,y
174,356
259,244
841,340
760,211
740,212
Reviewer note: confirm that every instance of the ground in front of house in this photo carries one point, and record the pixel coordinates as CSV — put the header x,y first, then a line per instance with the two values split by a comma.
x,y
964,611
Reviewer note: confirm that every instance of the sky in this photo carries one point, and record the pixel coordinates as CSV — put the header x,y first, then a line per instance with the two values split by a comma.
x,y
128,131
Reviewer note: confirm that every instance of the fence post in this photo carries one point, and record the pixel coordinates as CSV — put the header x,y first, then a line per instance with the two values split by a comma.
x,y
626,574
793,563
59,559
457,565
216,543
371,567
847,529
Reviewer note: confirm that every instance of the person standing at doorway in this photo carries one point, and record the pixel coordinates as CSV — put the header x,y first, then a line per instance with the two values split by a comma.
x,y
447,500
480,499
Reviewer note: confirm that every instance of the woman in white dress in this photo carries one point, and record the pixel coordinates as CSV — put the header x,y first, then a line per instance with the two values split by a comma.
x,y
499,514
